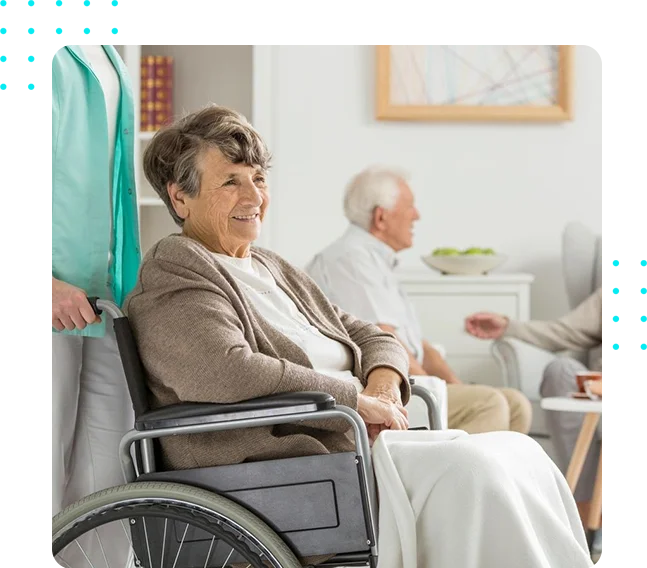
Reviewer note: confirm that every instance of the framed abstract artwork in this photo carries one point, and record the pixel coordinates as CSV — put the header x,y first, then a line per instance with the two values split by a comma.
x,y
474,82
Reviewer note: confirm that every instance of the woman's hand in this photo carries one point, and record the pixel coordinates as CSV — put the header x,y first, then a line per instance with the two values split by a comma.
x,y
70,307
384,383
381,415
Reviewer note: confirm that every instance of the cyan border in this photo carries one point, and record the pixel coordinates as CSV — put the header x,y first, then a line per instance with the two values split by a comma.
x,y
25,67
643,304
630,292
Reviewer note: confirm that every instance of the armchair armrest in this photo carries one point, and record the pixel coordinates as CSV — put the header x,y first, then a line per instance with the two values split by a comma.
x,y
522,365
191,414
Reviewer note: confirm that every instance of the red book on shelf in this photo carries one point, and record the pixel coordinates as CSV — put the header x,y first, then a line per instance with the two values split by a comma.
x,y
163,90
147,96
169,89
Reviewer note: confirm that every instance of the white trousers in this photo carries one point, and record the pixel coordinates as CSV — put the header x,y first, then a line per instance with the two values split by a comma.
x,y
91,411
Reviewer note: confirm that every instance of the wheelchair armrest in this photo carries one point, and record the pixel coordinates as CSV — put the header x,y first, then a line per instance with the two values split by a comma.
x,y
190,413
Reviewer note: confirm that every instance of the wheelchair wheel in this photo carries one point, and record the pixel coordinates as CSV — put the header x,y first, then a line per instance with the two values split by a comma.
x,y
164,525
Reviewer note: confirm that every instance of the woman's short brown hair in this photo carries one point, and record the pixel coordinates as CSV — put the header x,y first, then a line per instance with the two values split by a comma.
x,y
173,155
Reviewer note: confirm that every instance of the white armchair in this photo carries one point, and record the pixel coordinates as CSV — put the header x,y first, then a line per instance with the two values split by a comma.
x,y
522,365
438,388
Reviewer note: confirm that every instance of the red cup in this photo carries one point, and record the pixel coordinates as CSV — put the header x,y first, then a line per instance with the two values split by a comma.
x,y
587,376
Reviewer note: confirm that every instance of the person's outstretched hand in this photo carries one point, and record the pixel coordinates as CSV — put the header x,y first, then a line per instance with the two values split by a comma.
x,y
485,325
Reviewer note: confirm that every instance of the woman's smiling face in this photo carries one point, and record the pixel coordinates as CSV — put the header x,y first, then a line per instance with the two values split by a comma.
x,y
227,213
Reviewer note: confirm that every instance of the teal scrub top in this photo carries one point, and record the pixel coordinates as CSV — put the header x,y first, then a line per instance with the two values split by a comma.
x,y
81,208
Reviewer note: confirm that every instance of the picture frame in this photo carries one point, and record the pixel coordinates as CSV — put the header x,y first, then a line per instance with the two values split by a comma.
x,y
488,83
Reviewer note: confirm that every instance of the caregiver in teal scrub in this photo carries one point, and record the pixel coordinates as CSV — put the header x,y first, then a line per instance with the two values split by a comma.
x,y
95,252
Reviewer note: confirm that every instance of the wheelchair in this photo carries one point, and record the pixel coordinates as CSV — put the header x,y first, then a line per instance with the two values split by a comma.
x,y
320,508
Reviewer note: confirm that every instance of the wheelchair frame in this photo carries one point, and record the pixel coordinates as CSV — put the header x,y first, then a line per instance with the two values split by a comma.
x,y
191,418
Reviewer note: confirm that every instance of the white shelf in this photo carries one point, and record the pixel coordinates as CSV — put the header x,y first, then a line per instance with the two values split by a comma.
x,y
433,277
147,135
202,74
154,201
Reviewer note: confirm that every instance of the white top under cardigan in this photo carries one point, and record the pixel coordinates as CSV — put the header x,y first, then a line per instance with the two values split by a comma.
x,y
328,357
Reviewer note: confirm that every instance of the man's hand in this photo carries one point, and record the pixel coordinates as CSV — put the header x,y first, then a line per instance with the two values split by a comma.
x,y
70,307
485,325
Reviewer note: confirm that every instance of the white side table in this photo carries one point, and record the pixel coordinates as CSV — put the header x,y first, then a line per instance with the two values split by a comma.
x,y
592,410
442,302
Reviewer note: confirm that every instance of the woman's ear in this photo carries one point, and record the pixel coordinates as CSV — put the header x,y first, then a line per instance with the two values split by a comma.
x,y
178,200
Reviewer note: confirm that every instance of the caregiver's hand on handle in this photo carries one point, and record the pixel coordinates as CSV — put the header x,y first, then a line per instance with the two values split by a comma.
x,y
70,307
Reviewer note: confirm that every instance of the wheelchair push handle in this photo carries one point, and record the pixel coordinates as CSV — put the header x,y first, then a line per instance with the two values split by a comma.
x,y
92,300
99,306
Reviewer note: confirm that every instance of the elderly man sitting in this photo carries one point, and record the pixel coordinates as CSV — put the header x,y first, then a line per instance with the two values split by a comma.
x,y
357,273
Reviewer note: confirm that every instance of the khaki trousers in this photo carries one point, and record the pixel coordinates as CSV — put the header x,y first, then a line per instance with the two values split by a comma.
x,y
481,408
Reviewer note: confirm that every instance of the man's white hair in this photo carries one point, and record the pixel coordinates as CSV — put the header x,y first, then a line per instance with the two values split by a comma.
x,y
374,187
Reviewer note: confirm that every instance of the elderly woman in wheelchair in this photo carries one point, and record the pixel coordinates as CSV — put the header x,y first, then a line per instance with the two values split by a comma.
x,y
265,399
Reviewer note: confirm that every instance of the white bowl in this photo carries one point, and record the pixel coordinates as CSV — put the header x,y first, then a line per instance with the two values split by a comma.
x,y
464,264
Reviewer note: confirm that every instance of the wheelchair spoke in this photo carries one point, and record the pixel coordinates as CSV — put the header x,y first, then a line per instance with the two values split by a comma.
x,y
131,560
155,537
206,560
84,554
163,543
131,544
148,547
228,557
101,547
186,528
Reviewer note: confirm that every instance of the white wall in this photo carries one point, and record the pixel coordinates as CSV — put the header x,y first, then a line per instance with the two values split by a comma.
x,y
507,186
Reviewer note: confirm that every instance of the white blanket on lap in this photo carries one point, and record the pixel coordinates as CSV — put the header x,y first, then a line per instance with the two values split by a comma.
x,y
495,500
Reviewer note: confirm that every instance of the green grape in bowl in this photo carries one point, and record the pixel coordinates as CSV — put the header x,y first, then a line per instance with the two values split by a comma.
x,y
472,251
445,252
